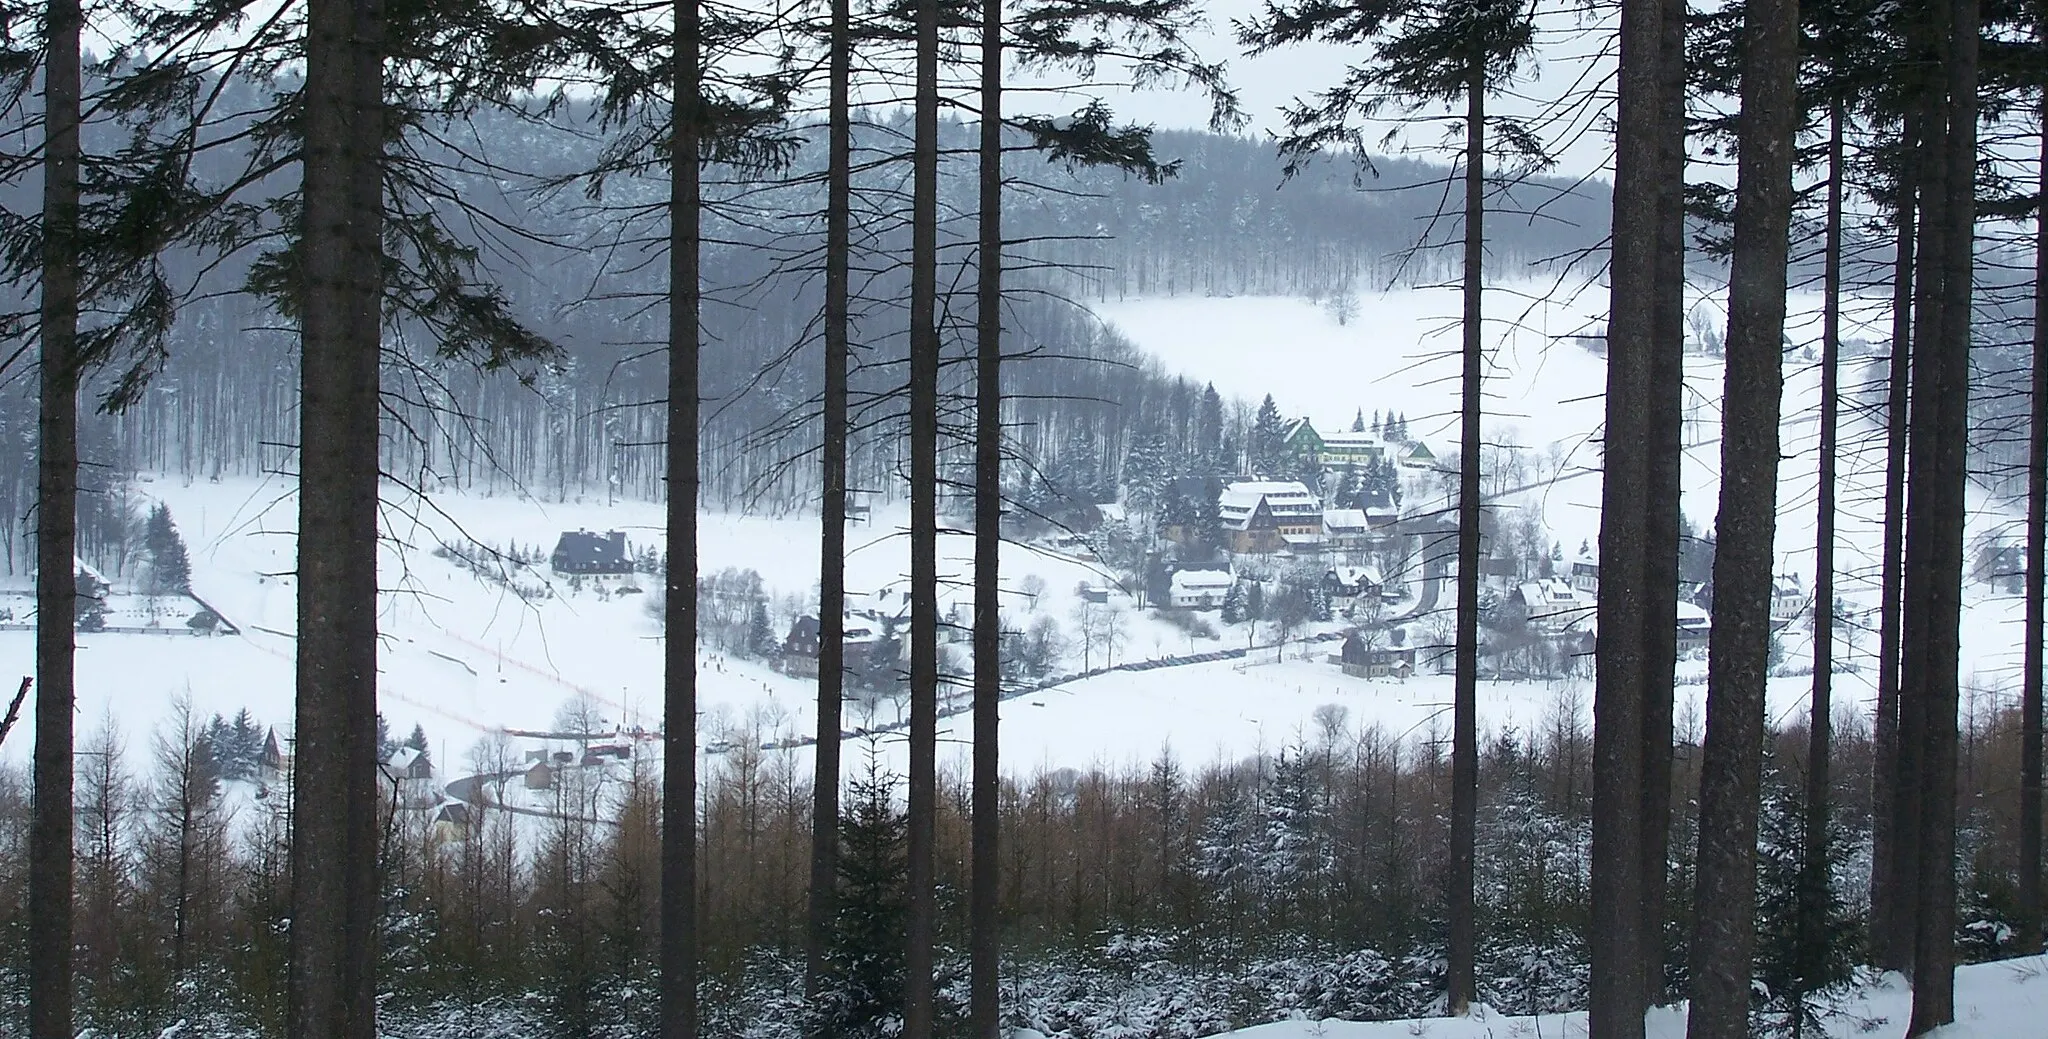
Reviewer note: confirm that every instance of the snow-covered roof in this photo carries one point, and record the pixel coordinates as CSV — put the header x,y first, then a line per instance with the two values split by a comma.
x,y
1283,497
1202,580
1552,592
1355,440
402,759
1357,575
1690,615
1112,512
1344,519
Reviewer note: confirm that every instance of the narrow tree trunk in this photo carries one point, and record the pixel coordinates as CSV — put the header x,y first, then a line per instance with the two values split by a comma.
x,y
924,573
832,511
1889,924
1724,901
984,939
1616,939
1464,700
334,850
1813,873
1664,421
679,908
50,843
1934,933
2037,576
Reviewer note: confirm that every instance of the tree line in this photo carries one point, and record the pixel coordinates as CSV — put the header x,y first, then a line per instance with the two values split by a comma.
x,y
385,278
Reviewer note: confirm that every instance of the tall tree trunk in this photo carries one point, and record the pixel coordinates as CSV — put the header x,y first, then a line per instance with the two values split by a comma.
x,y
50,843
832,511
1813,872
2037,577
1664,420
334,850
1934,932
924,571
1890,925
1464,700
1617,943
1724,901
984,939
679,908
1909,800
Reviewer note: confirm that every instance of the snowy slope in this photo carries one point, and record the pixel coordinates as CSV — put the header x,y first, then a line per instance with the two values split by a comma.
x,y
1545,392
465,657
2003,1000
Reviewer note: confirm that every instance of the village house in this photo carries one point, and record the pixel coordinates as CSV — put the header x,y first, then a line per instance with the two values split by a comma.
x,y
588,552
1553,607
410,775
1585,576
799,655
1200,589
1415,455
541,776
271,764
1265,516
1694,625
1332,450
1361,658
1351,582
1346,530
1788,600
453,821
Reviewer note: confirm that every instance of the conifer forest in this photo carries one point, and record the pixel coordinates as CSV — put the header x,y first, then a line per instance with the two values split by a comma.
x,y
1023,519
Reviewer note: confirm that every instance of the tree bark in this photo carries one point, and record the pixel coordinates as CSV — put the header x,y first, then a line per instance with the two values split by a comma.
x,y
332,984
984,939
1724,901
50,837
1889,924
1934,932
1465,695
679,908
1813,873
832,511
2037,576
1664,419
1616,940
924,573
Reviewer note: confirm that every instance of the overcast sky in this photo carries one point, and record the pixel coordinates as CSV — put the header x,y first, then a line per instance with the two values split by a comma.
x,y
1571,61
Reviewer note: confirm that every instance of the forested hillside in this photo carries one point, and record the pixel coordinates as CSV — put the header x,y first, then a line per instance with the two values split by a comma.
x,y
585,270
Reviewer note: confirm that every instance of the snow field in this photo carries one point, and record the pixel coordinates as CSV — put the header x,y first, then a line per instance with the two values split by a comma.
x,y
2002,1000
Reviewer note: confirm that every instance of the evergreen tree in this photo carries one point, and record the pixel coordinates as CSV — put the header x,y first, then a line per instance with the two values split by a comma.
x,y
863,994
1235,603
1376,427
1210,442
761,641
1262,453
1146,469
1295,857
170,568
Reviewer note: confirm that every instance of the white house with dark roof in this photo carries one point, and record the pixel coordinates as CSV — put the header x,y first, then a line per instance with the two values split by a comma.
x,y
1200,589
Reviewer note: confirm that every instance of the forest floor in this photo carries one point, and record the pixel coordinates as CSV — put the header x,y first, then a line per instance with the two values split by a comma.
x,y
2006,999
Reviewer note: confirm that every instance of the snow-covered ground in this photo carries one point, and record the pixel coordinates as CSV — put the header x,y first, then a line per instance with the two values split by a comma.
x,y
1545,392
2002,1000
465,657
